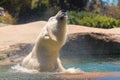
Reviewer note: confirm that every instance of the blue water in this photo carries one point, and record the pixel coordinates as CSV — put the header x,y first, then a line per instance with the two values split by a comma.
x,y
86,64
108,78
94,65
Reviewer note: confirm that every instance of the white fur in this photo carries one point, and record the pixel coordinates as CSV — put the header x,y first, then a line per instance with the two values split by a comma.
x,y
44,56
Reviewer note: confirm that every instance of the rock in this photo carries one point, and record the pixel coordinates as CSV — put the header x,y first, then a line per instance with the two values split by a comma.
x,y
92,43
14,53
82,41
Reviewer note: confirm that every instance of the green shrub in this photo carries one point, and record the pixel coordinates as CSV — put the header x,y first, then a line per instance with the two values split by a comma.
x,y
92,20
7,19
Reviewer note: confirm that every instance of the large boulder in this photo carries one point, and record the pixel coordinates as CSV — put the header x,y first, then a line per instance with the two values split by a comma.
x,y
16,41
92,42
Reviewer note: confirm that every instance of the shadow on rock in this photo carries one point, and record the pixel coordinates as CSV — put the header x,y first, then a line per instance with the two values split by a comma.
x,y
91,45
15,53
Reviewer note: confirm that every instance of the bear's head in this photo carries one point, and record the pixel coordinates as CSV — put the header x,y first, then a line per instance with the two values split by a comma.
x,y
59,18
56,26
61,15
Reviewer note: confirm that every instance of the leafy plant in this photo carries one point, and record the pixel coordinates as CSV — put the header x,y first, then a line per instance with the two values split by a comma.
x,y
7,19
92,20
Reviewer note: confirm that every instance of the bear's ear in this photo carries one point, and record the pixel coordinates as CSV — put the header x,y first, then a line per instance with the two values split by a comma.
x,y
44,33
51,35
48,34
46,37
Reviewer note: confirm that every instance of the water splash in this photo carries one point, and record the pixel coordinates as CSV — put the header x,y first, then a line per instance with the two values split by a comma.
x,y
19,68
73,70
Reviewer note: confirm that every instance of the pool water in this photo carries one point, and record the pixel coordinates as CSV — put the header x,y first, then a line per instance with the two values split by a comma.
x,y
94,64
86,64
6,73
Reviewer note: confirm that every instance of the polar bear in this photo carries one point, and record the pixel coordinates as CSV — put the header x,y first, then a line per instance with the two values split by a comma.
x,y
44,56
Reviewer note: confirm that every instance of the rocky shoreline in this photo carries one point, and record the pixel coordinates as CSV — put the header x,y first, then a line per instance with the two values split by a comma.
x,y
92,44
17,41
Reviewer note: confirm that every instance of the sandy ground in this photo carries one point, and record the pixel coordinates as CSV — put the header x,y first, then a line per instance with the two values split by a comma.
x,y
27,33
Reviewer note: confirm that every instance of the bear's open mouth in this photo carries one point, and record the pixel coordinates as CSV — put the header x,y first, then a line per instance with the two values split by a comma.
x,y
64,15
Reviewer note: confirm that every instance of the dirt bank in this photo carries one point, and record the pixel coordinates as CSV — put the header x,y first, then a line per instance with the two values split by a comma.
x,y
18,40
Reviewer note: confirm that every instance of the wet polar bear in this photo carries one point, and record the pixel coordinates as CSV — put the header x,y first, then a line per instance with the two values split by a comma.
x,y
44,56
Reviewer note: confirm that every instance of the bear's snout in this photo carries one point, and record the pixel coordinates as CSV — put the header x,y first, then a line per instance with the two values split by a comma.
x,y
62,14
